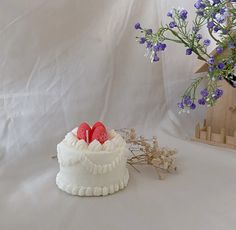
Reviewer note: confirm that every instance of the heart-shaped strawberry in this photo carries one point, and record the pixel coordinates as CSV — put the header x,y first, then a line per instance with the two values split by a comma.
x,y
99,134
84,132
98,123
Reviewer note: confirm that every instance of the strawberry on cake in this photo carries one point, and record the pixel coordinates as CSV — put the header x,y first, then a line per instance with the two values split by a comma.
x,y
92,161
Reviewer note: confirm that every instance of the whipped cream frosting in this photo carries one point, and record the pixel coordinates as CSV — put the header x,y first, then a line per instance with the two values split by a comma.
x,y
115,141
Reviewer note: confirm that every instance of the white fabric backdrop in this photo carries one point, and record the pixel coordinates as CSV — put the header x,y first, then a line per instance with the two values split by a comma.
x,y
66,61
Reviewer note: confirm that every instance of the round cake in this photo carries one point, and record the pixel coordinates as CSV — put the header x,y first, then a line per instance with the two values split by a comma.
x,y
92,168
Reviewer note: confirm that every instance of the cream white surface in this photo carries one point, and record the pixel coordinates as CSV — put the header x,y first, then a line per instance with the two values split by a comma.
x,y
92,169
66,61
200,196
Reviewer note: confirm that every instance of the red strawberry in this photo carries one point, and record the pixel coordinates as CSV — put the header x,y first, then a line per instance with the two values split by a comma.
x,y
81,132
100,134
98,123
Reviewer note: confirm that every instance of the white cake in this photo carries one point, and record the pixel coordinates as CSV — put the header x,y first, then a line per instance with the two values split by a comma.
x,y
92,170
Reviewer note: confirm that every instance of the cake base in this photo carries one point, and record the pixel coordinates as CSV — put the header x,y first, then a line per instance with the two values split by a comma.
x,y
81,190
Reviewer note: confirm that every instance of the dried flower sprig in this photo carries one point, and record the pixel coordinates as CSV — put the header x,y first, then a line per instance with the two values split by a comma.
x,y
147,152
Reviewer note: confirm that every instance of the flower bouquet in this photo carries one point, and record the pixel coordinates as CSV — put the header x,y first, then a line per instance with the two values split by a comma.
x,y
219,17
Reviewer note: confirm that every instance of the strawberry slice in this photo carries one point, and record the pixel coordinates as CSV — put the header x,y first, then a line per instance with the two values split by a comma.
x,y
99,134
82,132
98,123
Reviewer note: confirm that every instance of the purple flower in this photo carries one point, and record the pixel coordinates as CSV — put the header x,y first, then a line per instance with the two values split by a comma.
x,y
200,13
189,51
216,1
211,60
187,101
142,40
163,46
156,48
207,42
219,49
231,45
170,14
159,47
156,58
195,29
220,18
213,15
204,92
218,93
193,106
183,14
149,31
199,36
172,25
211,68
210,24
149,45
201,101
199,5
216,29
180,105
220,78
221,65
137,26
222,10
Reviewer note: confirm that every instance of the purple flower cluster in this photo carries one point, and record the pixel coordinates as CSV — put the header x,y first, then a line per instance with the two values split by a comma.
x,y
212,66
218,93
205,95
153,48
157,48
213,15
219,16
186,102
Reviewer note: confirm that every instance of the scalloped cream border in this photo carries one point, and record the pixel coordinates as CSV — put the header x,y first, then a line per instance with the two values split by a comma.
x,y
90,166
92,191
